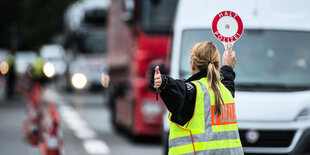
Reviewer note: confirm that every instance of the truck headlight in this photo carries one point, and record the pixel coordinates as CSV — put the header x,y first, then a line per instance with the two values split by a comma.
x,y
304,114
151,109
49,69
79,80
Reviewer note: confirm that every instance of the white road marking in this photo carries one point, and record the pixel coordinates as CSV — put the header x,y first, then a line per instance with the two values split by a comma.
x,y
96,147
82,130
34,150
75,123
85,133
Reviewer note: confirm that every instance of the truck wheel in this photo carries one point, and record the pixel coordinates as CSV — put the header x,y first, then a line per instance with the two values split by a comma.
x,y
134,138
132,135
115,125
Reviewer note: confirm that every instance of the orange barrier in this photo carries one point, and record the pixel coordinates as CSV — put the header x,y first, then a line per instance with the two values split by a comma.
x,y
42,125
31,126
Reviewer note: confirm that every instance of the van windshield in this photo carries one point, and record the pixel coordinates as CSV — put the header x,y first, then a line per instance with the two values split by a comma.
x,y
157,15
264,57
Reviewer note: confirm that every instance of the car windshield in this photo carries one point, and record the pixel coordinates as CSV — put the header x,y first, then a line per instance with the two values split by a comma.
x,y
157,15
264,57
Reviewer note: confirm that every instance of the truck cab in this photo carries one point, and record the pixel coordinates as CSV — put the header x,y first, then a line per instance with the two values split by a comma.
x,y
86,43
139,35
272,72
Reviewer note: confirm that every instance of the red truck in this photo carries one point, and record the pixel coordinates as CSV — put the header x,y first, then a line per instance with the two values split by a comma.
x,y
139,36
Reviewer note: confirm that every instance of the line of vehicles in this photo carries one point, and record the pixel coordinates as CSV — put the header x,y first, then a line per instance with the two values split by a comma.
x,y
77,60
126,39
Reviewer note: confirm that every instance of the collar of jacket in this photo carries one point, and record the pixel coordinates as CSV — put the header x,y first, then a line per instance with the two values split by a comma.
x,y
197,76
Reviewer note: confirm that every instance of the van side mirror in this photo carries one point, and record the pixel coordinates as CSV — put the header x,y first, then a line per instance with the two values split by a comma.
x,y
151,72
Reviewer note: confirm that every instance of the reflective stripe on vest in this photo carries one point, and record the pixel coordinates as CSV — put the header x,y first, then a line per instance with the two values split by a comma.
x,y
216,135
224,151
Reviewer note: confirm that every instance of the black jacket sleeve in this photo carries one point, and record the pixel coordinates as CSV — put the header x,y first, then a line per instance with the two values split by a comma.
x,y
180,96
228,79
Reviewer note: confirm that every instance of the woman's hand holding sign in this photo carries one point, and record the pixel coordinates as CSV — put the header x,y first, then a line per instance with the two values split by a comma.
x,y
229,57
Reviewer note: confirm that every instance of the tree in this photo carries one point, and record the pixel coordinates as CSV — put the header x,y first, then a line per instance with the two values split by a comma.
x,y
27,24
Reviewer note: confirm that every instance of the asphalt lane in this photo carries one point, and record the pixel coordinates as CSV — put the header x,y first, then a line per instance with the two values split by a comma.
x,y
94,114
85,122
12,116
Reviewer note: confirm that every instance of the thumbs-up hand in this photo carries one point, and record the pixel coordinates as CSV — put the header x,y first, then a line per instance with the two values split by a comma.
x,y
105,80
229,57
157,78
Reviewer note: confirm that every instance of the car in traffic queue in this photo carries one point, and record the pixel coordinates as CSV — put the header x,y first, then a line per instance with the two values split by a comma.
x,y
4,69
272,72
23,60
54,55
4,66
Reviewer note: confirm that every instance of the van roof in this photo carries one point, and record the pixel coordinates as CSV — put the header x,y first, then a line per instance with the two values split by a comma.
x,y
255,14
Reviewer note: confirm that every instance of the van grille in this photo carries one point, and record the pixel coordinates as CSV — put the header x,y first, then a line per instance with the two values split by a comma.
x,y
272,138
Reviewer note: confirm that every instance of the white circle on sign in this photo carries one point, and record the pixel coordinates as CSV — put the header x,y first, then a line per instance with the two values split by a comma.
x,y
227,26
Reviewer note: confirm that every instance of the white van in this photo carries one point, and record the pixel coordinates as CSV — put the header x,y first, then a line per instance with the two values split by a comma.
x,y
272,72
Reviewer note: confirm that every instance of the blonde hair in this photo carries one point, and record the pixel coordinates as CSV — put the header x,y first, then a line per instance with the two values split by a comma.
x,y
206,56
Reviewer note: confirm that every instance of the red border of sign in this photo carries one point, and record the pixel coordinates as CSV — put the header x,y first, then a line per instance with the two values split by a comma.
x,y
221,38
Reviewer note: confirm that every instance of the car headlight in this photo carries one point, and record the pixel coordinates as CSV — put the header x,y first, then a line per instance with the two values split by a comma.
x,y
4,67
304,114
49,69
79,80
151,109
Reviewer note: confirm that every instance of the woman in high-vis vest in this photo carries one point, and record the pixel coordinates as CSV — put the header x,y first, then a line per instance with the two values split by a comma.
x,y
202,108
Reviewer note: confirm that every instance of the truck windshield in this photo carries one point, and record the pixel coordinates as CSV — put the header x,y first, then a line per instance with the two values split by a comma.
x,y
157,15
93,43
264,57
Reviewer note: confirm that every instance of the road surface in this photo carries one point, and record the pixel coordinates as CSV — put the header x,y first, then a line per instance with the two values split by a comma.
x,y
86,127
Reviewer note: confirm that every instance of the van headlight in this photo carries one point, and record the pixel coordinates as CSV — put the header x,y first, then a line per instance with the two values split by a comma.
x,y
79,80
49,69
304,114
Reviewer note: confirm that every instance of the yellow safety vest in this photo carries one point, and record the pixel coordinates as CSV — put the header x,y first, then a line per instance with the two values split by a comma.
x,y
207,133
38,68
11,63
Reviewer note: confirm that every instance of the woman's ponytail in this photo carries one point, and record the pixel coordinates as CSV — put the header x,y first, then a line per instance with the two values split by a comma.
x,y
213,82
205,56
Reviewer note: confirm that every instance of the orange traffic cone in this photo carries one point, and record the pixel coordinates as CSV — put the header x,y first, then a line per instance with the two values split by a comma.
x,y
52,143
31,126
